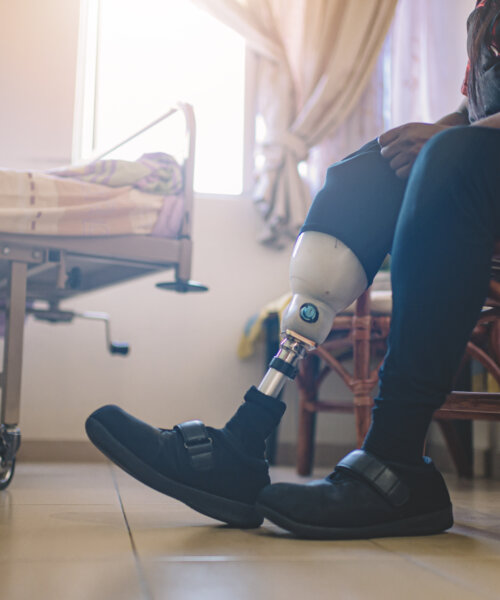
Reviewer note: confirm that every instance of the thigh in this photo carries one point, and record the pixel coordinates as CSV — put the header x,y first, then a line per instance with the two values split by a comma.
x,y
359,204
454,187
441,261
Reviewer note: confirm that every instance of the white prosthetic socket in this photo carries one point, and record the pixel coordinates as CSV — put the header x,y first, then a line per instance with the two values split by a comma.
x,y
325,278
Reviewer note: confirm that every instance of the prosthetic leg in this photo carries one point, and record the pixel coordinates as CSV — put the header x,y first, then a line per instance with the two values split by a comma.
x,y
325,277
220,472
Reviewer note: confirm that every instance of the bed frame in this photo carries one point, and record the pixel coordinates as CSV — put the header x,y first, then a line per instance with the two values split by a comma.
x,y
45,270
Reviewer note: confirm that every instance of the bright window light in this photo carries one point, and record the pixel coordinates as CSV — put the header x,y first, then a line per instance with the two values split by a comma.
x,y
153,53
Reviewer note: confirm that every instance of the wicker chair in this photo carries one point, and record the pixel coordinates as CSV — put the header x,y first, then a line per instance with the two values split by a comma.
x,y
361,332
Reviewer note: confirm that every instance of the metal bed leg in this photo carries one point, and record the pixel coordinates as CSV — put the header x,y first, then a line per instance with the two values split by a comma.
x,y
182,282
10,436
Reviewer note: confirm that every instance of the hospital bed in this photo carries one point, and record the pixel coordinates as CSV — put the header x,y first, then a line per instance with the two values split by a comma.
x,y
38,272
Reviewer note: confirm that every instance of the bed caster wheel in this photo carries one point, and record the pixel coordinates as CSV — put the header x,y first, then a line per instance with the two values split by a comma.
x,y
7,473
10,440
182,286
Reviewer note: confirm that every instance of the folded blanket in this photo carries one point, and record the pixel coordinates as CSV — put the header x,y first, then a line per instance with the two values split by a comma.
x,y
154,173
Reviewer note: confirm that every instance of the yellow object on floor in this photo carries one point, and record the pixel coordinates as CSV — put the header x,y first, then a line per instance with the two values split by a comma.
x,y
492,384
253,330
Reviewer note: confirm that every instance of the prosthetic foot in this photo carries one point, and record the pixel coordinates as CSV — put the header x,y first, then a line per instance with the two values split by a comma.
x,y
220,472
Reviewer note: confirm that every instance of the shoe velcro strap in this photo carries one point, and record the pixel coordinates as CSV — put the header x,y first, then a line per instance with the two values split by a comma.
x,y
378,475
198,444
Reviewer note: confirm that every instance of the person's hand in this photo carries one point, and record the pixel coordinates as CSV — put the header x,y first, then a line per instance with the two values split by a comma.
x,y
401,145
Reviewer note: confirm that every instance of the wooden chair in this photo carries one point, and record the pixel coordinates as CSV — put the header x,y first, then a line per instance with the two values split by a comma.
x,y
361,332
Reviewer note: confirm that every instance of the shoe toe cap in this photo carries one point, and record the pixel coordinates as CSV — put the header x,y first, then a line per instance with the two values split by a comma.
x,y
287,498
111,422
110,417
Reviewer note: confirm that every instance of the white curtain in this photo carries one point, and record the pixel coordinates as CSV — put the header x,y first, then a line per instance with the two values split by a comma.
x,y
367,120
418,77
315,58
428,58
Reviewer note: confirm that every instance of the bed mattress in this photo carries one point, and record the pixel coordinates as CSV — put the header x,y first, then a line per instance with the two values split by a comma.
x,y
108,197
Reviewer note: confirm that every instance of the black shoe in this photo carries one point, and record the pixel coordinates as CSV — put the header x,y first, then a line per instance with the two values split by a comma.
x,y
362,498
200,466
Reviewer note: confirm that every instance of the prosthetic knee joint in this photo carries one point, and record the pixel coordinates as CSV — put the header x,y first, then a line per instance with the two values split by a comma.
x,y
325,277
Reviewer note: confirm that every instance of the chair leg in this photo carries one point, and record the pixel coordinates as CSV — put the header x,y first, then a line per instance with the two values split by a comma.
x,y
306,382
363,418
305,444
362,324
455,446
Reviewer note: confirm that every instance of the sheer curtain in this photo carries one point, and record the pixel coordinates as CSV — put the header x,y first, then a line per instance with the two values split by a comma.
x,y
315,58
367,120
428,56
417,78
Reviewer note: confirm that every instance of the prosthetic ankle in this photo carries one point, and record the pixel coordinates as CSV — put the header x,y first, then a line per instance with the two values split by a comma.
x,y
325,278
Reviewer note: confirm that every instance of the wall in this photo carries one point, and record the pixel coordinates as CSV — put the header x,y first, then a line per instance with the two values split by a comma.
x,y
38,43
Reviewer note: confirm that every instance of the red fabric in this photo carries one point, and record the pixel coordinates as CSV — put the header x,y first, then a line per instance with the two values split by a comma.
x,y
466,80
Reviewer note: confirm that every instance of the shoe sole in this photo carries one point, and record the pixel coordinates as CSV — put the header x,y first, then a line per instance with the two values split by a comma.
x,y
232,512
427,524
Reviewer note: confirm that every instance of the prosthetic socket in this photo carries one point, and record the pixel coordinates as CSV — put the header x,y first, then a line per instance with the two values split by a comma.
x,y
325,278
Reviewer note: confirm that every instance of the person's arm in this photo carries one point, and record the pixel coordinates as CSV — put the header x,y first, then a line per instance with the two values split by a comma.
x,y
402,145
459,117
491,121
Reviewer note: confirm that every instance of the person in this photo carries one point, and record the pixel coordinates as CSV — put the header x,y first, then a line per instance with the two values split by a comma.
x,y
430,195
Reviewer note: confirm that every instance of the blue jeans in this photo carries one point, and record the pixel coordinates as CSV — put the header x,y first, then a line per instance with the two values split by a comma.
x,y
440,228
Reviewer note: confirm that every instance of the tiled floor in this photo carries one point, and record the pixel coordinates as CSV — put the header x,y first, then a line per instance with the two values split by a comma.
x,y
90,532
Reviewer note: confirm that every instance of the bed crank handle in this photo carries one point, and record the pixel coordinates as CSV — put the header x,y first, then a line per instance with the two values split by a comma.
x,y
56,315
121,348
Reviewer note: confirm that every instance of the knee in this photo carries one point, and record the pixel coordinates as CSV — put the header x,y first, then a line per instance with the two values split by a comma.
x,y
450,184
451,154
448,172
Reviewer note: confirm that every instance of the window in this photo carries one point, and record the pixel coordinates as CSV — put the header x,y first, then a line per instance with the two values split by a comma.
x,y
137,58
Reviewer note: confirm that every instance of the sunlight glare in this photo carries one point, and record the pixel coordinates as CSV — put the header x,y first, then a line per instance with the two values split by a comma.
x,y
153,53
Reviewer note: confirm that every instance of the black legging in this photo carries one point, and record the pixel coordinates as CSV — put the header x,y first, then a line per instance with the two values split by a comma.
x,y
440,227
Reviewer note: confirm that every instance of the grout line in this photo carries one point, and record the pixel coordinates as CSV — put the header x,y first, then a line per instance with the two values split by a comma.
x,y
461,583
476,531
140,571
423,564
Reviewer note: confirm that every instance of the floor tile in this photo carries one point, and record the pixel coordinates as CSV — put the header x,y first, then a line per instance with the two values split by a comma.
x,y
40,483
467,515
304,579
68,580
180,532
480,574
458,542
59,532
